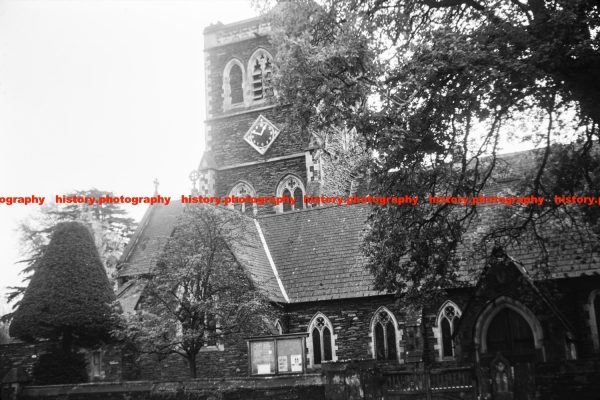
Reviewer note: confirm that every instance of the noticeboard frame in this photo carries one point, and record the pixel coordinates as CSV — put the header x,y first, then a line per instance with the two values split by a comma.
x,y
274,339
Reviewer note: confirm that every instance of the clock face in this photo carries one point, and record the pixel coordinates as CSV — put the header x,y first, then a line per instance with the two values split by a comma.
x,y
261,134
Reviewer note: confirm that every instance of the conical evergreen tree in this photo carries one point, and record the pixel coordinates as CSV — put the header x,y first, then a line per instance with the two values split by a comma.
x,y
69,295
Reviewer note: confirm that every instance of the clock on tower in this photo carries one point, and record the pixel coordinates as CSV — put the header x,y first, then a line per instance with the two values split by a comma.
x,y
261,134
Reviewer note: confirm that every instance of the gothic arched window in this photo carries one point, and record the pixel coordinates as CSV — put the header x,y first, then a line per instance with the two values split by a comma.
x,y
260,71
234,81
241,191
321,340
291,187
447,321
384,334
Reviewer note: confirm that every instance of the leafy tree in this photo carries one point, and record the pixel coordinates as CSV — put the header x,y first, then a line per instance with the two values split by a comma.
x,y
198,294
109,223
436,87
69,296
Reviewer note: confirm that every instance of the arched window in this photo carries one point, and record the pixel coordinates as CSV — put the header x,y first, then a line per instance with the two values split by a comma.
x,y
241,191
594,317
234,81
260,70
321,340
446,324
291,187
279,327
384,333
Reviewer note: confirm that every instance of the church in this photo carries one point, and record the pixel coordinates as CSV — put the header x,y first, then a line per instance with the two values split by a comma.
x,y
503,334
505,327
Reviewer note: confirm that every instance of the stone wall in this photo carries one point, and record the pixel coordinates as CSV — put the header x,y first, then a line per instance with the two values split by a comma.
x,y
18,354
351,321
231,361
555,305
297,387
569,380
263,177
114,366
229,148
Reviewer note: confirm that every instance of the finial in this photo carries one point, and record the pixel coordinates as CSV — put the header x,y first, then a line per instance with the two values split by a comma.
x,y
156,183
194,177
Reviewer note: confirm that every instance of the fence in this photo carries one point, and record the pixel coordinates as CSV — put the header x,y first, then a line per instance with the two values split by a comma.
x,y
432,384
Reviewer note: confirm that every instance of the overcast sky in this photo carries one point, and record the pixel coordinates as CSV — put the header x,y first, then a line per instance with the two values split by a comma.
x,y
105,94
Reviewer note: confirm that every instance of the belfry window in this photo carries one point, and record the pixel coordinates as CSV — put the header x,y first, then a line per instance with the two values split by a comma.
x,y
241,191
447,321
260,70
234,82
290,188
383,331
321,340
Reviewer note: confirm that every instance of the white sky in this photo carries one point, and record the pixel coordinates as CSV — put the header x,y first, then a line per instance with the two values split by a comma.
x,y
98,93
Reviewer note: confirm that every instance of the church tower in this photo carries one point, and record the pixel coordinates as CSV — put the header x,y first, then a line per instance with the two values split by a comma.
x,y
248,150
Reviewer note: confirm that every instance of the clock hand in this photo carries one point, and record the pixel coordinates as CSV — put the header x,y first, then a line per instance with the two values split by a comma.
x,y
263,131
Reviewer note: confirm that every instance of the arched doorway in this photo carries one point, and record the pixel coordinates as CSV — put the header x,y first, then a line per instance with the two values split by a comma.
x,y
509,333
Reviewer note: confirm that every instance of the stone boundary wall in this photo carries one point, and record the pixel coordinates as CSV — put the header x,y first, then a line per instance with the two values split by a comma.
x,y
577,380
297,387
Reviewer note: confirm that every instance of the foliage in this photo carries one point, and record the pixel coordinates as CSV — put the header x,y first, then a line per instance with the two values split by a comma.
x,y
109,223
198,294
436,87
60,367
69,295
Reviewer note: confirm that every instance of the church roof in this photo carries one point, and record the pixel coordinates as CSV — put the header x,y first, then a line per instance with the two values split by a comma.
x,y
147,242
156,226
315,254
318,252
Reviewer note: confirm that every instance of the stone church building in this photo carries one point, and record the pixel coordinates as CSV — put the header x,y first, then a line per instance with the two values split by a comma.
x,y
513,335
503,324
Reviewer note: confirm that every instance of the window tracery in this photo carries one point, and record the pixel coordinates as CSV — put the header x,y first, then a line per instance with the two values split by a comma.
x,y
384,334
260,71
321,340
242,190
291,187
447,321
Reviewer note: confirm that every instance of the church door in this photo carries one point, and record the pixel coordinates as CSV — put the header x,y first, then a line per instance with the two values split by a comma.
x,y
510,335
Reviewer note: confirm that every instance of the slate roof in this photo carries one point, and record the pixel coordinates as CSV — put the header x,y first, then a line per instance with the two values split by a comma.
x,y
154,230
568,254
147,242
317,252
251,254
